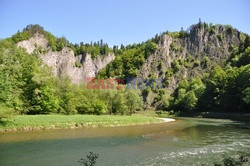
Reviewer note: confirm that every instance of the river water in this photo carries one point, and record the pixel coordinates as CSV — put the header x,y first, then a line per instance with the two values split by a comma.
x,y
187,141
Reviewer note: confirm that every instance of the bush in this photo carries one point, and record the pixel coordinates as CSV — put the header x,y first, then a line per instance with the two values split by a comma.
x,y
220,37
229,161
99,107
174,35
78,64
229,28
196,63
150,48
175,66
20,36
212,30
5,112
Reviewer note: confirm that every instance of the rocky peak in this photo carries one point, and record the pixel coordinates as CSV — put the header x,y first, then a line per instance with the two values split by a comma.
x,y
37,40
184,56
65,63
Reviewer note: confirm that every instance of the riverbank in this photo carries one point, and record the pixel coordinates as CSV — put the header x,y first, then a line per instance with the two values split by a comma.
x,y
218,115
42,122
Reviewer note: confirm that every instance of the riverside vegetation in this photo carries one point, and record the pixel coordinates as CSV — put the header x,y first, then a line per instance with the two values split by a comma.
x,y
215,78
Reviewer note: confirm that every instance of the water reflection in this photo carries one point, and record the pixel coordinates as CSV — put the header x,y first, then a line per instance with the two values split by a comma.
x,y
184,142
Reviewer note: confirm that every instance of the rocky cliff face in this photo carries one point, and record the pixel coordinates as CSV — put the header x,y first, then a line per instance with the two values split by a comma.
x,y
176,57
65,63
191,55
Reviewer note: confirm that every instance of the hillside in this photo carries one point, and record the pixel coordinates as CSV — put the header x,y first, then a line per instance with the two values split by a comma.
x,y
203,68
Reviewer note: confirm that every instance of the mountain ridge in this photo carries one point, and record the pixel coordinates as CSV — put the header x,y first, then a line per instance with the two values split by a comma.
x,y
212,42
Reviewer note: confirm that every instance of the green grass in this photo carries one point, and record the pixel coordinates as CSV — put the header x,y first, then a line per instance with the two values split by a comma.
x,y
36,122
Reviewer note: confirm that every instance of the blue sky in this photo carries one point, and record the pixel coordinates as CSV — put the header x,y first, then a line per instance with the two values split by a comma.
x,y
119,21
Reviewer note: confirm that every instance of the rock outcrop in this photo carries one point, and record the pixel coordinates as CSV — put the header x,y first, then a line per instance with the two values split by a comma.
x,y
190,53
176,57
38,40
65,63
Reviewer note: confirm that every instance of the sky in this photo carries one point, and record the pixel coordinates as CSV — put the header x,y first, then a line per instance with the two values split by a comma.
x,y
119,21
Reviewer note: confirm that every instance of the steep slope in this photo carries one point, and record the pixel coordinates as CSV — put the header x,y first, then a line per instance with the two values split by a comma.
x,y
170,56
190,55
64,62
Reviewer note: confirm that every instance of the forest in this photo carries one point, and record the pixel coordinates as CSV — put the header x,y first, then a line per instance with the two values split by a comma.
x,y
29,87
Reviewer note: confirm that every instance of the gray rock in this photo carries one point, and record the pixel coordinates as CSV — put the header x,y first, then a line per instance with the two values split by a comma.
x,y
63,62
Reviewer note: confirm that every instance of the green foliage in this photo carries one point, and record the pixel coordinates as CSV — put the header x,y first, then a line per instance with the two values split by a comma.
x,y
134,101
230,161
6,112
21,122
175,66
78,64
223,90
90,159
186,95
246,94
169,73
34,28
96,49
129,60
150,48
229,28
220,37
182,33
119,103
60,43
211,28
174,34
247,42
26,85
205,62
174,47
19,36
242,58
196,63
43,99
99,107
56,44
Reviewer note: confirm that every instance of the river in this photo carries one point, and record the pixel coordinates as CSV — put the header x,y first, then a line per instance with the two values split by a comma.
x,y
187,141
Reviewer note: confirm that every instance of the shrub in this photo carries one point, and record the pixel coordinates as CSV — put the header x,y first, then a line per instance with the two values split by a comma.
x,y
229,28
19,36
99,107
78,64
175,66
196,63
220,37
174,34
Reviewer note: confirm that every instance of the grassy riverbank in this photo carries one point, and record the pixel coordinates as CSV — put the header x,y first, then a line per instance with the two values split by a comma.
x,y
37,122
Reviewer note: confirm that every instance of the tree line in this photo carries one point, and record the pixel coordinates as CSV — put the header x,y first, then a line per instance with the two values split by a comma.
x,y
221,90
29,87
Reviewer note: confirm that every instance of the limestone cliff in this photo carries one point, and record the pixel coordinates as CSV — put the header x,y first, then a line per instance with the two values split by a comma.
x,y
191,55
64,63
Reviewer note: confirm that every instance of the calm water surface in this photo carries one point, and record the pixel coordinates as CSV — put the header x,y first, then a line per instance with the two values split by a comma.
x,y
187,141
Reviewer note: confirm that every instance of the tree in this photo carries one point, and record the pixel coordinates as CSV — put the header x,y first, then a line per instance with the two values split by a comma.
x,y
246,93
99,107
43,99
134,101
119,103
5,112
247,42
150,48
189,101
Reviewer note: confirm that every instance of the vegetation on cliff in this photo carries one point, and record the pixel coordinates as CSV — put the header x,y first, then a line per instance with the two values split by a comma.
x,y
203,69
